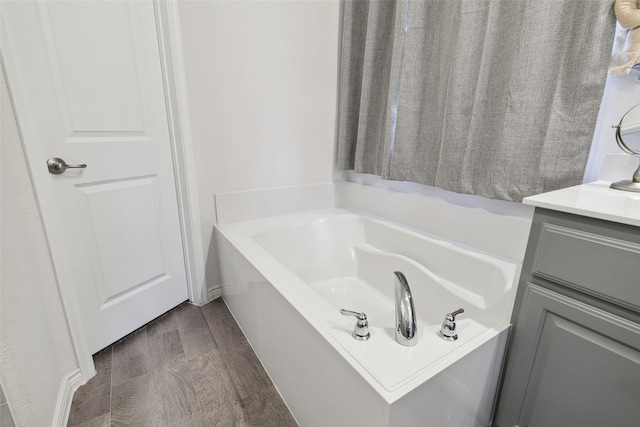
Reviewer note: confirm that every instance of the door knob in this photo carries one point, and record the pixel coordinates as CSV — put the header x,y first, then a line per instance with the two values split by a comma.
x,y
58,166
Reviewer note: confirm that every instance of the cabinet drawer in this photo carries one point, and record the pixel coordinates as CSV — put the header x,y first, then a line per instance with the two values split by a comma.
x,y
598,264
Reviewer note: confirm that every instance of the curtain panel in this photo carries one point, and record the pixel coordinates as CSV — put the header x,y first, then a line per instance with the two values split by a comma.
x,y
497,98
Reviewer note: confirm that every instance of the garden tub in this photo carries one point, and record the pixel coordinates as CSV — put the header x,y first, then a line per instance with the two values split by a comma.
x,y
286,278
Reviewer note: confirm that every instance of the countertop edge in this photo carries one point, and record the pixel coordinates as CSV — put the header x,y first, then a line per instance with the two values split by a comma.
x,y
594,200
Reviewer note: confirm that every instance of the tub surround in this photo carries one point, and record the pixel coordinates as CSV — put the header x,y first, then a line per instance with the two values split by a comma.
x,y
303,267
289,310
255,204
495,227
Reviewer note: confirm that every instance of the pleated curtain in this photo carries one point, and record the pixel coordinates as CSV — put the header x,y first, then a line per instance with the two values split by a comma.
x,y
497,98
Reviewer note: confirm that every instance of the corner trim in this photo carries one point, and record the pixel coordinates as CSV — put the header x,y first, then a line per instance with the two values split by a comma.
x,y
172,63
68,386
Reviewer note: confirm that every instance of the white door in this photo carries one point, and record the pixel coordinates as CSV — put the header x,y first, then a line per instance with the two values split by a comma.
x,y
86,80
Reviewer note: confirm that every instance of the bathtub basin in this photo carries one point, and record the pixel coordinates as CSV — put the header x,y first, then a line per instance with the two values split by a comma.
x,y
285,280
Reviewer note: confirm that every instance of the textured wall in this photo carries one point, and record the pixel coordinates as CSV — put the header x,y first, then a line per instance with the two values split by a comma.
x,y
262,86
35,347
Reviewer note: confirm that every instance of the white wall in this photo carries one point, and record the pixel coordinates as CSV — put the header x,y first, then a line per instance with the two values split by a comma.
x,y
620,94
36,352
262,84
262,88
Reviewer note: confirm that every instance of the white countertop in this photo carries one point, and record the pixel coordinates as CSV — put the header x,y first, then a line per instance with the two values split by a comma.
x,y
595,200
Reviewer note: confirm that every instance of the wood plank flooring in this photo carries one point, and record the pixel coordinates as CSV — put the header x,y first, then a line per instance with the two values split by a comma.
x,y
191,367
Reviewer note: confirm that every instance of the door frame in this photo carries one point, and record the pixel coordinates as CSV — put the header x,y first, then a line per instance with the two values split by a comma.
x,y
175,89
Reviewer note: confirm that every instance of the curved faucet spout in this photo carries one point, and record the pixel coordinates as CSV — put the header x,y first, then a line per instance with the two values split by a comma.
x,y
406,328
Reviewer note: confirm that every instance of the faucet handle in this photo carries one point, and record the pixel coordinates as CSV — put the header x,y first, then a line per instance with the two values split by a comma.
x,y
361,331
452,316
359,316
448,329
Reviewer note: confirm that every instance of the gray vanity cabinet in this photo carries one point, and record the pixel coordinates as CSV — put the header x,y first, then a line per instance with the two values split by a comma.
x,y
574,353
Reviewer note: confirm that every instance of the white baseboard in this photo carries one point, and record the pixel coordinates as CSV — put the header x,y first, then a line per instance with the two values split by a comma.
x,y
214,293
68,386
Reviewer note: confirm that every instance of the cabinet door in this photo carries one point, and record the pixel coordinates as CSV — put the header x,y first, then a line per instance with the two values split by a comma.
x,y
570,365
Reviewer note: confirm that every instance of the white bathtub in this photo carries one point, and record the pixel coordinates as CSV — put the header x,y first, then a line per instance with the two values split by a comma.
x,y
285,280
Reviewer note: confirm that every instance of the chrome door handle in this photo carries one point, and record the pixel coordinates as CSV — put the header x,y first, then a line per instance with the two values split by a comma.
x,y
57,166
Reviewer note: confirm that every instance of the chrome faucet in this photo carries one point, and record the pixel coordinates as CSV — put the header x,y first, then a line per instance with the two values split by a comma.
x,y
448,328
406,328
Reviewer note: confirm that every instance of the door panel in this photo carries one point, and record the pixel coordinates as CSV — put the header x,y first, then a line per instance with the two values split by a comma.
x,y
576,368
128,253
97,67
570,364
88,88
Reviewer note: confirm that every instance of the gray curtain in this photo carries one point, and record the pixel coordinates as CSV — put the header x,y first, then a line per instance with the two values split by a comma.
x,y
496,98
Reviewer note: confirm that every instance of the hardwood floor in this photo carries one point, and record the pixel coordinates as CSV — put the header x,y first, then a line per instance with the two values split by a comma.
x,y
191,367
